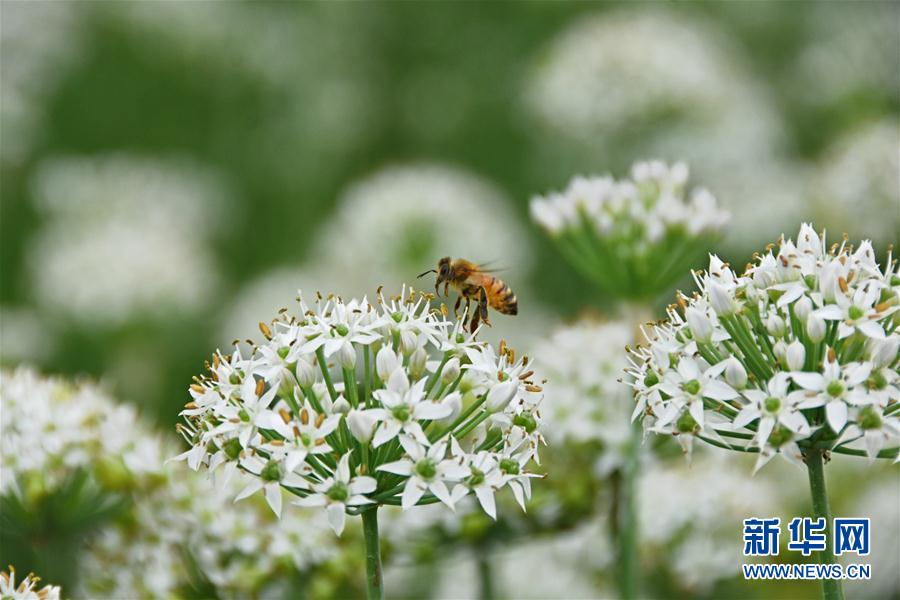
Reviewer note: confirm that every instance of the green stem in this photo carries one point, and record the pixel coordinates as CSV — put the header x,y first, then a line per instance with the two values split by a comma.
x,y
815,464
485,576
628,518
374,583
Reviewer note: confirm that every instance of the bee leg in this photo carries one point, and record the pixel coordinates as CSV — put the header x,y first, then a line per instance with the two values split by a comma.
x,y
437,290
483,306
473,322
447,288
456,306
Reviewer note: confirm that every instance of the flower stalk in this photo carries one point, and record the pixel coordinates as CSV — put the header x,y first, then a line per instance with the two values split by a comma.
x,y
815,466
374,582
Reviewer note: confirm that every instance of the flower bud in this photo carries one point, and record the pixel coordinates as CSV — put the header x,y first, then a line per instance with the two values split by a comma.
x,y
341,405
408,342
735,374
347,356
386,362
454,401
450,371
883,353
362,425
699,323
417,363
720,298
802,308
306,373
501,395
780,351
815,328
775,325
795,356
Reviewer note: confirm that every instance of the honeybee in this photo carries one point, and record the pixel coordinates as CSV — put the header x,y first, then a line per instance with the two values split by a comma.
x,y
474,283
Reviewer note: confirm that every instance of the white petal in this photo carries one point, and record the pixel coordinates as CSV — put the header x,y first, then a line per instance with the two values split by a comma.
x,y
439,489
254,486
387,431
871,329
485,497
363,485
313,500
336,517
398,467
411,493
836,412
747,415
273,497
809,381
718,390
874,441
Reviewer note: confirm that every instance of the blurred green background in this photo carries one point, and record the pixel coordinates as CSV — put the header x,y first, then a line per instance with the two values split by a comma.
x,y
165,166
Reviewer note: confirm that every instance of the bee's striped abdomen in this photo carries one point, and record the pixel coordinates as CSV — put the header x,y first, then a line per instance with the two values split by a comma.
x,y
500,297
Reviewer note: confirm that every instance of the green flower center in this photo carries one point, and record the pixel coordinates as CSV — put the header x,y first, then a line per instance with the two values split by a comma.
x,y
232,448
877,381
477,477
526,421
692,387
509,466
401,413
338,492
772,404
780,436
686,423
835,389
460,338
810,281
869,418
284,351
855,312
245,417
397,316
426,469
271,472
651,379
234,379
342,329
306,440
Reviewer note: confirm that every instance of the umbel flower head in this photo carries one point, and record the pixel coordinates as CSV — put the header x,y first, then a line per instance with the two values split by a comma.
x,y
352,404
800,352
27,588
632,237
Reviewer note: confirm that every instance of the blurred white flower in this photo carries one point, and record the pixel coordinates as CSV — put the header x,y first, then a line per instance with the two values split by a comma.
x,y
652,82
633,236
851,52
52,428
25,336
124,237
856,187
689,516
39,42
399,221
583,363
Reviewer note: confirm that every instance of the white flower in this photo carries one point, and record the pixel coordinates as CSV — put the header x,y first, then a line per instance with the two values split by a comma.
x,y
271,476
338,492
834,388
427,469
27,588
807,316
404,405
771,406
484,478
642,221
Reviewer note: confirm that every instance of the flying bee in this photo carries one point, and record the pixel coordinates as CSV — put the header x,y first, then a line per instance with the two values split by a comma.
x,y
474,283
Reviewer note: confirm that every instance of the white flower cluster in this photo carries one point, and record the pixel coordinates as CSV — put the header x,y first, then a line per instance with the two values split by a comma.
x,y
351,404
632,236
51,429
240,550
687,516
27,588
582,363
799,352
124,236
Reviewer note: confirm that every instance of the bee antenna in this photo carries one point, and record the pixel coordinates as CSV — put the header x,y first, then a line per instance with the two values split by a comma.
x,y
426,273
